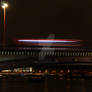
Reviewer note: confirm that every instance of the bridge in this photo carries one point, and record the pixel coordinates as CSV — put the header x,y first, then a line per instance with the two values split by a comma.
x,y
65,57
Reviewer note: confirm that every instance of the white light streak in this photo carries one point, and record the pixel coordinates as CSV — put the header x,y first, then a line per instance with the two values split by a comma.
x,y
46,41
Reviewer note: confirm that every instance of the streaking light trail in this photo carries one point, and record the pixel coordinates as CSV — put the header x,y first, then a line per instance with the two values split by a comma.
x,y
48,42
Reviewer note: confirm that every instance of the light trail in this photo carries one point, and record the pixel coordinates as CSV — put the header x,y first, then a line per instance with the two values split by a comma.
x,y
48,41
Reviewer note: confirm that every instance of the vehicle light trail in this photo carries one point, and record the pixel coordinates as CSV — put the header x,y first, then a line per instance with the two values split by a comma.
x,y
47,42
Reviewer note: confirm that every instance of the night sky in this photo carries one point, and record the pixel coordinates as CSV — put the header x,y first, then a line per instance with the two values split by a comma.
x,y
40,18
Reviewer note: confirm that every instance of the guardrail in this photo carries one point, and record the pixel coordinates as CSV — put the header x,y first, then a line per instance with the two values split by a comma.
x,y
35,52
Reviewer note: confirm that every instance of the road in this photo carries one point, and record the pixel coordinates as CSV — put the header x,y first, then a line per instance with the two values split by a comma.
x,y
48,85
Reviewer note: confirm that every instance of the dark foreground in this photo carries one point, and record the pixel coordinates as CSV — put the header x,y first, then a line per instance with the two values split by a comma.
x,y
47,85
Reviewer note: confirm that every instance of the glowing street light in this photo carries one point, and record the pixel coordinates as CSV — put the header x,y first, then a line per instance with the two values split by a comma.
x,y
4,6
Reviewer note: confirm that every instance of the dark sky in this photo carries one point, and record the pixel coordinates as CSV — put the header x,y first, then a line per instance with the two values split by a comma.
x,y
40,18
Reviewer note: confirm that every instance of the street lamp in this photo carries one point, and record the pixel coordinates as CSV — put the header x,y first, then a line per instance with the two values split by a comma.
x,y
4,6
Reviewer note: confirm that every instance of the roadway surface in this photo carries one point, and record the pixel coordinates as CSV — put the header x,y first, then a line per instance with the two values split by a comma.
x,y
48,85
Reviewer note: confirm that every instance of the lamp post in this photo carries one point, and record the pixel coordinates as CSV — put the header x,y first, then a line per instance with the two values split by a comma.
x,y
4,6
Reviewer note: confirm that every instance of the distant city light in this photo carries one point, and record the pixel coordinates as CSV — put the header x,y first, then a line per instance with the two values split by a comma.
x,y
30,69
